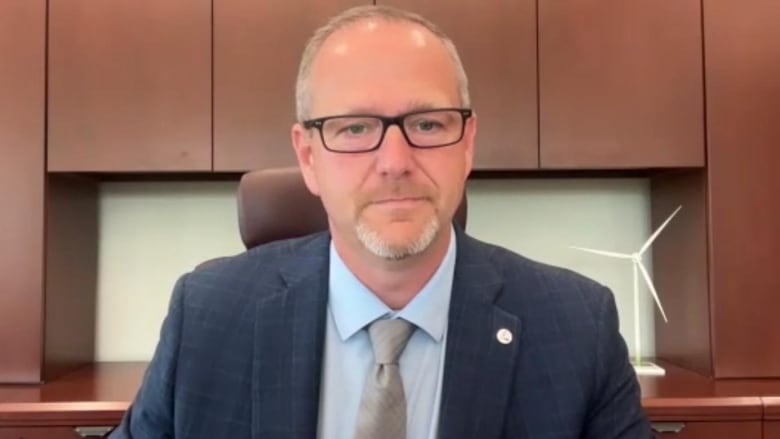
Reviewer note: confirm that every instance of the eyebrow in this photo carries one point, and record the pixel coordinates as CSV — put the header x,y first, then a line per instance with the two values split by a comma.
x,y
407,108
421,106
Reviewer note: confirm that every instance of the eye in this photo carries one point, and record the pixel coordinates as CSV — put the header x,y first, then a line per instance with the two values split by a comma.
x,y
428,125
355,129
352,127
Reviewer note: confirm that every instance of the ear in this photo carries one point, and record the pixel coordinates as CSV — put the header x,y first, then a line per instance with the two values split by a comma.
x,y
469,134
302,140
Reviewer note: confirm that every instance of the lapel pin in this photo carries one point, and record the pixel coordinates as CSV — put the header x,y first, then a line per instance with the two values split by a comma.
x,y
504,336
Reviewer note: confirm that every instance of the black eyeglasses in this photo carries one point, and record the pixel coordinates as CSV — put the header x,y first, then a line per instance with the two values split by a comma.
x,y
356,133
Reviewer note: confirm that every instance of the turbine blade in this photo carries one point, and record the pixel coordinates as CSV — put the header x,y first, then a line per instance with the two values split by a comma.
x,y
652,290
658,232
604,253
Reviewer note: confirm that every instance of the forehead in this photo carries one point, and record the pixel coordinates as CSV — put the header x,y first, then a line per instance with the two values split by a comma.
x,y
380,66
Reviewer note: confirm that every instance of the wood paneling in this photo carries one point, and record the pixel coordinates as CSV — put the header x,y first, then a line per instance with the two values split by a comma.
x,y
680,271
742,43
71,273
620,84
257,48
772,430
22,69
129,85
497,44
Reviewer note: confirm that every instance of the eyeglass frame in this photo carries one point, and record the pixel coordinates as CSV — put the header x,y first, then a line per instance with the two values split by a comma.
x,y
387,122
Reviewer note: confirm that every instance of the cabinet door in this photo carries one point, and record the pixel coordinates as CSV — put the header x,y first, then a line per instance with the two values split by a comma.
x,y
497,44
743,124
708,430
22,113
257,48
129,85
620,84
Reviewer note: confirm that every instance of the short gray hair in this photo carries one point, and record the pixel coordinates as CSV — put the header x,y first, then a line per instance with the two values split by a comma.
x,y
355,15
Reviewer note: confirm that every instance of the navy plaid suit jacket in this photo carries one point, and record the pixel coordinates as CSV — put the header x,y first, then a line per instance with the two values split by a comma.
x,y
241,348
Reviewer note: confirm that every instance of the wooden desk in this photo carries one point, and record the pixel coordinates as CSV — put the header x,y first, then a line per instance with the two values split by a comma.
x,y
95,396
98,395
682,393
700,407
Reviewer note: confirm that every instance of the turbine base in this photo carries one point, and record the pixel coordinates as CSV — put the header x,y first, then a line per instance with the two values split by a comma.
x,y
647,368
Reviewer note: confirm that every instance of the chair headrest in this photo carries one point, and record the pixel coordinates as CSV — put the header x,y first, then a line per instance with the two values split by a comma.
x,y
274,204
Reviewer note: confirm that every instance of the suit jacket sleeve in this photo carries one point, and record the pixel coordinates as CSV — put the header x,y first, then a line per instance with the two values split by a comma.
x,y
151,414
616,410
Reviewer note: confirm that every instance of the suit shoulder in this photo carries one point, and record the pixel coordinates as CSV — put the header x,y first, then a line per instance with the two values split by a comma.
x,y
254,273
514,265
545,285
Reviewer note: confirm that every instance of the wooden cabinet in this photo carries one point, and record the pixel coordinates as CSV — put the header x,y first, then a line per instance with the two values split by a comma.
x,y
497,44
723,304
743,104
129,85
620,84
257,49
22,112
46,285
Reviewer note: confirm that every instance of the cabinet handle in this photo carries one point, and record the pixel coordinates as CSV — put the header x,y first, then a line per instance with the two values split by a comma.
x,y
97,431
667,427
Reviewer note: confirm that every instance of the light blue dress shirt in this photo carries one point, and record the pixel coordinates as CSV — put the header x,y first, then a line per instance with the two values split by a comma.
x,y
349,357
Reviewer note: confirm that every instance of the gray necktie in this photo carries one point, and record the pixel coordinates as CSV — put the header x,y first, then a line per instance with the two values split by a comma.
x,y
382,412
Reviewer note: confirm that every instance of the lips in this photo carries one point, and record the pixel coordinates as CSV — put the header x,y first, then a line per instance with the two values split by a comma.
x,y
400,202
397,200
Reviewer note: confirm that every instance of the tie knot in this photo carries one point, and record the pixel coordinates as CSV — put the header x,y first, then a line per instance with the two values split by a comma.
x,y
389,338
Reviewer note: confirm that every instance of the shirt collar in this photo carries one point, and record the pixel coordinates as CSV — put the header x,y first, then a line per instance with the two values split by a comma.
x,y
354,306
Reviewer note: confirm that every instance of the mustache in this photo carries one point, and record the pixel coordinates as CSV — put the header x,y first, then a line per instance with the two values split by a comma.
x,y
397,192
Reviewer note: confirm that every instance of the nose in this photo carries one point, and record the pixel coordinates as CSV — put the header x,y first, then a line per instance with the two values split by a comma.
x,y
395,155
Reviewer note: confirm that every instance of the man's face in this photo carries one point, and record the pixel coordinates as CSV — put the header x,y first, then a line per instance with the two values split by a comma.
x,y
395,200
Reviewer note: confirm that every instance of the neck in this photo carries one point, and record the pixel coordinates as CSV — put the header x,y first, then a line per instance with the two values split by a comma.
x,y
395,282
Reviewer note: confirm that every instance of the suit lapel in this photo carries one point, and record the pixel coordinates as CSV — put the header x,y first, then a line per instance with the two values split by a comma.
x,y
288,347
482,345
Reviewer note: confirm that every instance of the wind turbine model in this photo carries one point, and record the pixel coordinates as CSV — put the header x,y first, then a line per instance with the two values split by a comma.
x,y
641,367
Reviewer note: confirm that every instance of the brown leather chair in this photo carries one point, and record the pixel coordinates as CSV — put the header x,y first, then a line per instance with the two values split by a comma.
x,y
275,204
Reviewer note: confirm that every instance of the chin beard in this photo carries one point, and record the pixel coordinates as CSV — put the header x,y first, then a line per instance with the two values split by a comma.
x,y
374,243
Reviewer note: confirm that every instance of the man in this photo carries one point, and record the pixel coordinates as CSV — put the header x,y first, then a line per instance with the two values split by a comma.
x,y
290,340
